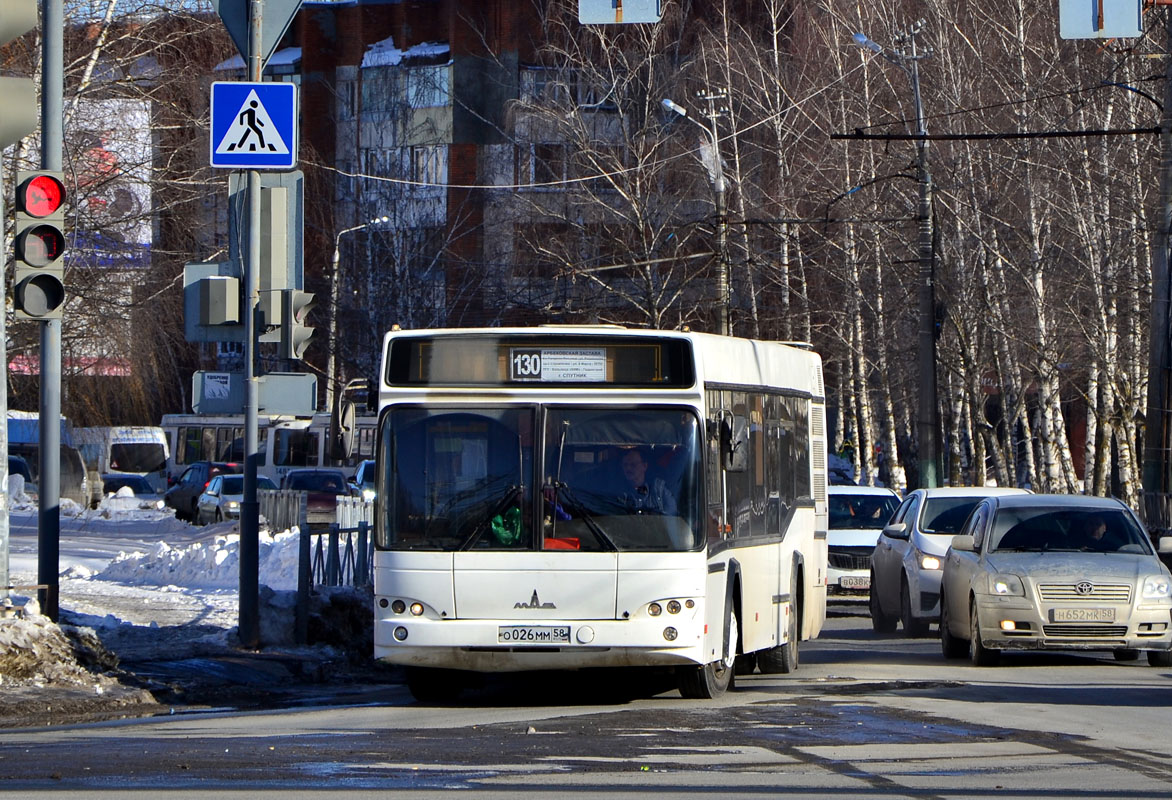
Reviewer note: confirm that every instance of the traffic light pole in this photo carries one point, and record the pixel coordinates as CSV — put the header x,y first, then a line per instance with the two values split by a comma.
x,y
248,624
49,485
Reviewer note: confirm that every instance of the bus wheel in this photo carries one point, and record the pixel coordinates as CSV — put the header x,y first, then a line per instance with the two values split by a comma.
x,y
433,685
711,680
783,659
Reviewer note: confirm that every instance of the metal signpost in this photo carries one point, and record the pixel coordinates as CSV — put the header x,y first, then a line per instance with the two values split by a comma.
x,y
243,139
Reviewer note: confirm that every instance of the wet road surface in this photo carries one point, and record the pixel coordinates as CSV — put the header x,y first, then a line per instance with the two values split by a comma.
x,y
865,716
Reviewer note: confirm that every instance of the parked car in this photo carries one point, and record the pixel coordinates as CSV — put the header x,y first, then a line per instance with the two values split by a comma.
x,y
139,484
146,494
323,486
221,499
18,466
1055,572
857,516
363,480
905,566
184,491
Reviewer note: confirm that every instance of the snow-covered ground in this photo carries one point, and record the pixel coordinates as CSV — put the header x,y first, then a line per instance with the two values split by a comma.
x,y
126,569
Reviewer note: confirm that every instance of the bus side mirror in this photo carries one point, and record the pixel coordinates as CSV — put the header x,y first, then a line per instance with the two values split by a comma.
x,y
734,444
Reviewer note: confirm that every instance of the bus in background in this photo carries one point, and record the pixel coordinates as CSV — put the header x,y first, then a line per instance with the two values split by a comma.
x,y
125,449
284,443
593,496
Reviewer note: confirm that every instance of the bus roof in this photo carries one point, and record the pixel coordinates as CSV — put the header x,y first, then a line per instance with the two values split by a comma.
x,y
720,360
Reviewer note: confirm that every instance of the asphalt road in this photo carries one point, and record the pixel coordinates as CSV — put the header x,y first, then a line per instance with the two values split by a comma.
x,y
865,716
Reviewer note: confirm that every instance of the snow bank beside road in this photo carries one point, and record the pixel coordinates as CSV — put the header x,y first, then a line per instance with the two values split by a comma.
x,y
213,564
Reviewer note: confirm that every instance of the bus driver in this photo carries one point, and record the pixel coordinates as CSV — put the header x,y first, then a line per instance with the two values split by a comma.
x,y
640,495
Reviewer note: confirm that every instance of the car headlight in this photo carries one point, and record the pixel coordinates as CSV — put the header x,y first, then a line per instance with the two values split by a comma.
x,y
233,505
1006,584
1156,587
368,495
929,562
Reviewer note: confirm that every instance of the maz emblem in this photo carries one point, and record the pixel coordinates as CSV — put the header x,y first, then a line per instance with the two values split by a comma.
x,y
534,602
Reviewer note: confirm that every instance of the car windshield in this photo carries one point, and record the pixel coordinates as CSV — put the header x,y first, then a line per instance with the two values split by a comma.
x,y
234,484
946,514
605,480
1042,529
330,482
136,484
141,457
856,511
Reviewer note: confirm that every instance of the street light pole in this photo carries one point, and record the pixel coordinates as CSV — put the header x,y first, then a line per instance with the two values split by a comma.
x,y
927,423
335,281
724,326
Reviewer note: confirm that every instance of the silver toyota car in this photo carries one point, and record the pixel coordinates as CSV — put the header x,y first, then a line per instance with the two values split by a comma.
x,y
1055,572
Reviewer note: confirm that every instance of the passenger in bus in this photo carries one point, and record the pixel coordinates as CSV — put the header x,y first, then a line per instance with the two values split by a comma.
x,y
643,494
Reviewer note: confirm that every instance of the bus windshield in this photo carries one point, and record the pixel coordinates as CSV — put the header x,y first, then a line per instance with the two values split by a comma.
x,y
554,478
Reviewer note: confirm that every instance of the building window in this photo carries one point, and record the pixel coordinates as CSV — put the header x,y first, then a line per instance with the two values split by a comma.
x,y
429,86
540,163
429,164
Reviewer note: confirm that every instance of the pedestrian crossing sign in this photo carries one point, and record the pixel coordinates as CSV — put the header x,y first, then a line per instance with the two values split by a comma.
x,y
254,125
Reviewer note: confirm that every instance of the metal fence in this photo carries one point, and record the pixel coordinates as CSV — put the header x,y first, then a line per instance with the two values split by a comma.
x,y
341,554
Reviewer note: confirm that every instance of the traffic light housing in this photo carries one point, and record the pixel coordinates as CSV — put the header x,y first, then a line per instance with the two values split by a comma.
x,y
38,279
19,110
295,334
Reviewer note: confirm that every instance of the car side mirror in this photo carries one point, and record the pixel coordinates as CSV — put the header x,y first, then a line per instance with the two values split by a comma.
x,y
964,543
896,530
1164,545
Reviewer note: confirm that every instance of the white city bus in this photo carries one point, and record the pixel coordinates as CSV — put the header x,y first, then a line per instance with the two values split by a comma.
x,y
284,443
516,529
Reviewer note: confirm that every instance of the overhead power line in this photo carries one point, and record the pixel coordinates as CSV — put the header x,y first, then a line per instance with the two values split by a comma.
x,y
964,137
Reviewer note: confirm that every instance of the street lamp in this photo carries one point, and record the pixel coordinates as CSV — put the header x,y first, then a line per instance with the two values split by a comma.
x,y
909,61
335,280
716,173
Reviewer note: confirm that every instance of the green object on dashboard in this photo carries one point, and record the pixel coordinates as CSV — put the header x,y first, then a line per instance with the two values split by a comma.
x,y
507,527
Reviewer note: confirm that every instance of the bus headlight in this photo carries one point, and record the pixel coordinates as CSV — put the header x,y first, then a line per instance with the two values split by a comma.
x,y
655,609
673,606
400,634
670,634
417,609
398,606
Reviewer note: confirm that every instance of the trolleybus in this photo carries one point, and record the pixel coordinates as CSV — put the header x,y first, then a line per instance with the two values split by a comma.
x,y
594,496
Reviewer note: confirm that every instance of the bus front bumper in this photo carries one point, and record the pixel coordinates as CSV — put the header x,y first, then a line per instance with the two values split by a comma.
x,y
510,646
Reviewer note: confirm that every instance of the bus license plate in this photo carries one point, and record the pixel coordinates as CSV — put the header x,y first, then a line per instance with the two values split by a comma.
x,y
1084,614
533,634
851,582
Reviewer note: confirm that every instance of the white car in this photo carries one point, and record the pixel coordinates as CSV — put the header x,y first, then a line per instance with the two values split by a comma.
x,y
905,567
222,497
857,516
1055,572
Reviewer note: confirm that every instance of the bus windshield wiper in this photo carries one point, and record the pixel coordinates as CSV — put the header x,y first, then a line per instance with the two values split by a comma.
x,y
508,498
578,509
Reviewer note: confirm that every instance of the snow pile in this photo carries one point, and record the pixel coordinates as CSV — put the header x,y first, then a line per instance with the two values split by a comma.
x,y
36,652
212,564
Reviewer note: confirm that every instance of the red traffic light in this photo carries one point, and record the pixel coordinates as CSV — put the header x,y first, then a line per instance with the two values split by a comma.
x,y
40,195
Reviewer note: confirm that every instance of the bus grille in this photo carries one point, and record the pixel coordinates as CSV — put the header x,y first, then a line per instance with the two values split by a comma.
x,y
1100,593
